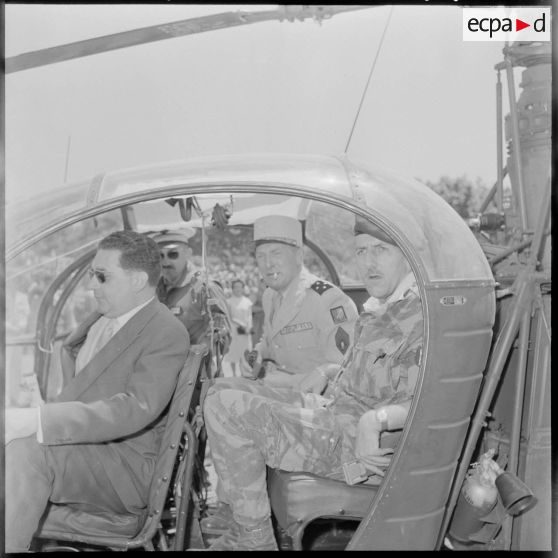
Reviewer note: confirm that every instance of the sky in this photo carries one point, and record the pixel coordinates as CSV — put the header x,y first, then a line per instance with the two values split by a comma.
x,y
287,87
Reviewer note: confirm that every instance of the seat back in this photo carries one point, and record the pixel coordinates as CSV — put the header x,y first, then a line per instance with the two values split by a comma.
x,y
168,451
408,510
62,523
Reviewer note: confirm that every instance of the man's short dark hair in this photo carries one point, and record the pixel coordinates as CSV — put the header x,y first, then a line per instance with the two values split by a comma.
x,y
138,252
235,281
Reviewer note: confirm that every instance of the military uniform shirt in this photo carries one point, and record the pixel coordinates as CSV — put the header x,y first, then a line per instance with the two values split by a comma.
x,y
312,326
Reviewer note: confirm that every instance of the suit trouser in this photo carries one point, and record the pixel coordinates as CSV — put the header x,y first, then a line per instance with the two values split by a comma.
x,y
251,426
68,474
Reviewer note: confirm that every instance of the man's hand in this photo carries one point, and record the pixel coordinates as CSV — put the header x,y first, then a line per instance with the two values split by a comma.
x,y
21,423
222,340
376,464
317,380
313,382
250,364
367,449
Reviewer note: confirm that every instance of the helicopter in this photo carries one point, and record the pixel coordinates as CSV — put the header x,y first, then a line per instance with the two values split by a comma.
x,y
495,399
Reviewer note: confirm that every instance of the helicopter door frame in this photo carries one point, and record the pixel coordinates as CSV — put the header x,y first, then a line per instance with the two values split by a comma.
x,y
49,314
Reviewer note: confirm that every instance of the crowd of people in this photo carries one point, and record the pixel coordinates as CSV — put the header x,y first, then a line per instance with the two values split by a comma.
x,y
247,272
230,256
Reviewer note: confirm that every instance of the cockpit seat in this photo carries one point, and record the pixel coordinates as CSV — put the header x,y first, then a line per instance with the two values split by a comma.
x,y
123,532
62,520
297,499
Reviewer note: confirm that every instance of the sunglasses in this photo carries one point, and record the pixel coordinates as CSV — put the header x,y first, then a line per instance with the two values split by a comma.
x,y
171,254
101,276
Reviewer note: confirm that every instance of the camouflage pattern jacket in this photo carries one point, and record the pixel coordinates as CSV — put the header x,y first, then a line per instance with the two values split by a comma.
x,y
382,365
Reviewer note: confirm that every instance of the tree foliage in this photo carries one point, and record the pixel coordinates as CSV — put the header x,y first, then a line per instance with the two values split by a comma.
x,y
464,195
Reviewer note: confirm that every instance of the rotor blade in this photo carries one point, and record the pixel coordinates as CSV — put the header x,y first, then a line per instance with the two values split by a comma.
x,y
163,31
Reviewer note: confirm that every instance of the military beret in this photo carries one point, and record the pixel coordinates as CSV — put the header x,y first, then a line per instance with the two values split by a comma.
x,y
174,236
363,226
278,228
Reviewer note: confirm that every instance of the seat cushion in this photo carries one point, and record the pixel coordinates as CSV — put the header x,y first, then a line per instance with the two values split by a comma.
x,y
78,525
298,498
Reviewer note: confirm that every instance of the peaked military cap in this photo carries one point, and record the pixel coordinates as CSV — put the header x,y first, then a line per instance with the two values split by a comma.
x,y
278,228
175,236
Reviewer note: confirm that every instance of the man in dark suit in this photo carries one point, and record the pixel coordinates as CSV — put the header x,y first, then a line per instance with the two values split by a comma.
x,y
94,447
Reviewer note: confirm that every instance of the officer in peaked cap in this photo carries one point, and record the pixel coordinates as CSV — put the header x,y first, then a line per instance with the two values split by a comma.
x,y
308,322
176,236
183,289
308,326
175,252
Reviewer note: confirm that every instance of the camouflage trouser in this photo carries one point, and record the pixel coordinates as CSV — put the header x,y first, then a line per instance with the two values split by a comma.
x,y
250,425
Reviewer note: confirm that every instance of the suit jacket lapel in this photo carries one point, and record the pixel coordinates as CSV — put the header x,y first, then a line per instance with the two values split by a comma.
x,y
106,356
72,344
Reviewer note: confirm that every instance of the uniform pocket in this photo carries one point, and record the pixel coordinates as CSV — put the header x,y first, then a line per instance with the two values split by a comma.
x,y
301,339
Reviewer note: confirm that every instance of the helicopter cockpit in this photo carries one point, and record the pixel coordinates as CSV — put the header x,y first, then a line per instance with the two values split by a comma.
x,y
51,241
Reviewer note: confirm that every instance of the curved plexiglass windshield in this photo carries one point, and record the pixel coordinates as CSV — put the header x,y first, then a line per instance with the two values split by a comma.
x,y
418,218
421,222
331,229
328,231
30,274
36,214
439,236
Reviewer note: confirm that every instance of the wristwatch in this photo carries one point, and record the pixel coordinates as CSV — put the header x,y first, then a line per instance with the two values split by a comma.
x,y
381,415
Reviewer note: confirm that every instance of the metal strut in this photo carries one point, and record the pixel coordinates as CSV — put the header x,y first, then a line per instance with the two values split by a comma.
x,y
525,295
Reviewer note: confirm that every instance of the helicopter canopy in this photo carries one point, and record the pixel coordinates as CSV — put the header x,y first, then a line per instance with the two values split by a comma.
x,y
431,233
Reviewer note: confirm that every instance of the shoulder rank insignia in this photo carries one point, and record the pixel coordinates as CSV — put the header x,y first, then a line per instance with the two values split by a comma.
x,y
338,315
321,286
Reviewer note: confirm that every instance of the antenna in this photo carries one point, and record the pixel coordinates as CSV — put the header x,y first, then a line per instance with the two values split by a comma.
x,y
369,77
67,158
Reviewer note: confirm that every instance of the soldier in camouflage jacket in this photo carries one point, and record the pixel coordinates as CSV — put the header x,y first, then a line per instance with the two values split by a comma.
x,y
340,412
